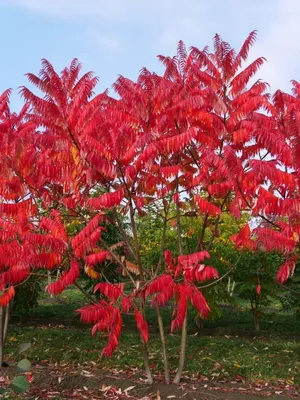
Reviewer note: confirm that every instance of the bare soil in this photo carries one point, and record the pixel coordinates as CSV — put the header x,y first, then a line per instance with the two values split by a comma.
x,y
68,382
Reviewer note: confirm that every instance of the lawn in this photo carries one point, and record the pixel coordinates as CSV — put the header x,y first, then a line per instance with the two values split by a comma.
x,y
224,351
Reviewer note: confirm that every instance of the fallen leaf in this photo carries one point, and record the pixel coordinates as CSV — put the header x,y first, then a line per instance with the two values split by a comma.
x,y
129,388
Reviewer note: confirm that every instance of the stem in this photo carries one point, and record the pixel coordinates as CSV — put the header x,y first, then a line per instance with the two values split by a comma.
x,y
6,321
163,343
118,261
184,327
182,351
118,223
200,242
249,206
214,234
179,230
163,244
1,337
135,238
146,362
223,276
215,231
142,273
49,281
85,293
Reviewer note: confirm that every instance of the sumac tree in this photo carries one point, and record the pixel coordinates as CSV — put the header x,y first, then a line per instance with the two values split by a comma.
x,y
201,140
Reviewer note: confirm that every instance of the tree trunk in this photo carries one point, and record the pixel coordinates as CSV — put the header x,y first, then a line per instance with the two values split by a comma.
x,y
184,327
139,262
1,335
256,324
49,281
146,362
254,310
182,351
163,343
6,321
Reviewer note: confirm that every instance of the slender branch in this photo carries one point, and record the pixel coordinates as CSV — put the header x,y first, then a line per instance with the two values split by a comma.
x,y
118,261
135,237
249,206
6,321
85,293
124,234
200,242
287,288
223,276
163,242
214,234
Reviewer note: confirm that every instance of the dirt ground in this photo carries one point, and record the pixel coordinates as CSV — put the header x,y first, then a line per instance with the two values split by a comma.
x,y
68,382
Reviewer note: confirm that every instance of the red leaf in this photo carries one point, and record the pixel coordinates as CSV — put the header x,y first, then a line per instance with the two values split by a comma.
x,y
115,332
67,278
207,207
176,198
243,238
258,289
142,325
107,200
199,302
97,258
286,271
205,273
7,296
126,304
182,290
111,290
17,274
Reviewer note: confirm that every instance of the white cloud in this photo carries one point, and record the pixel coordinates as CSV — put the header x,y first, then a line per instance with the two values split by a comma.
x,y
105,41
111,10
279,43
162,23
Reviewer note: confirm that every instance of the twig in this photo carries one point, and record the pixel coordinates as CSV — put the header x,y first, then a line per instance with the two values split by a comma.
x,y
222,277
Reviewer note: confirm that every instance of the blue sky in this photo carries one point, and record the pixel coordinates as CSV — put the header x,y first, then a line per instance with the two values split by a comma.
x,y
112,37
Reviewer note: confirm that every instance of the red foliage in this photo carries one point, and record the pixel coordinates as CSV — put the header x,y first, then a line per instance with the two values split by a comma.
x,y
97,258
164,288
182,293
199,302
7,296
67,278
258,289
110,290
286,270
206,207
107,200
205,273
243,238
199,135
142,325
106,318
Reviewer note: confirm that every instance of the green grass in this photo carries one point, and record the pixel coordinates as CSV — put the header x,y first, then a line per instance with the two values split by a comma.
x,y
208,356
63,307
213,356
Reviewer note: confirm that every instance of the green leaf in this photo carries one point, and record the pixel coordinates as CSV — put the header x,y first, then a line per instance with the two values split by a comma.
x,y
24,365
19,384
24,347
3,390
